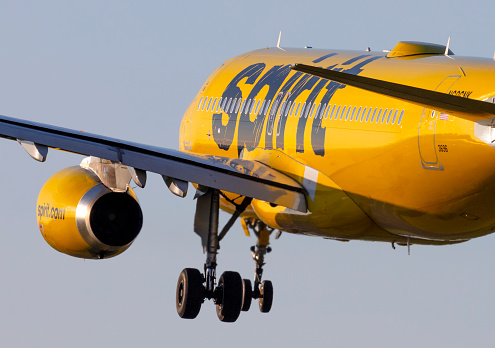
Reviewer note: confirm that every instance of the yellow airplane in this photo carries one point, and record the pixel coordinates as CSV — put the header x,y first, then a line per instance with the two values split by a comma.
x,y
391,146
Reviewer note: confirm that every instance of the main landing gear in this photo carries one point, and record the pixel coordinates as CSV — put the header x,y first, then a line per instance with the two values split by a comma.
x,y
231,294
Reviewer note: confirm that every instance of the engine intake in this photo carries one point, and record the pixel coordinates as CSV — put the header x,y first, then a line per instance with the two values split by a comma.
x,y
81,217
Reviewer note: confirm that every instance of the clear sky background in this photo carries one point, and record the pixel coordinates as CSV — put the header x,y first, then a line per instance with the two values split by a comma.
x,y
129,70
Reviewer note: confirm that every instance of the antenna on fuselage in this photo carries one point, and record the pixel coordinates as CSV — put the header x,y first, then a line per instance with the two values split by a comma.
x,y
446,54
278,43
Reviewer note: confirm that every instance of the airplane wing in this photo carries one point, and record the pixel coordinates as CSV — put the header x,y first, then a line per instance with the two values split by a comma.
x,y
415,95
244,177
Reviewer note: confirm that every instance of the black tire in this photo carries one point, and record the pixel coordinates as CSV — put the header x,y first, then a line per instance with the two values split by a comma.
x,y
230,302
266,299
190,293
247,295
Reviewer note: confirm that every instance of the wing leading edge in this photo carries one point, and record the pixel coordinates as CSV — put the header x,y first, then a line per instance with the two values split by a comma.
x,y
419,96
244,177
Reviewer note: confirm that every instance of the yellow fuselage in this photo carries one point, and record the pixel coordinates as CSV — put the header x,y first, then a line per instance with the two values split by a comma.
x,y
385,169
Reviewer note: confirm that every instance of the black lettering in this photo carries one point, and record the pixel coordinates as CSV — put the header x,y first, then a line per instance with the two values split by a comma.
x,y
224,134
249,133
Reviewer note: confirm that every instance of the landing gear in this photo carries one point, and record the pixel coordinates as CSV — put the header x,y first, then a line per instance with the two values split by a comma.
x,y
232,294
229,299
262,290
266,296
189,295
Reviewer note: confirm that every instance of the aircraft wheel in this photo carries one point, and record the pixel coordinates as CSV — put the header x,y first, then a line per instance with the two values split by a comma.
x,y
247,295
266,296
190,293
229,302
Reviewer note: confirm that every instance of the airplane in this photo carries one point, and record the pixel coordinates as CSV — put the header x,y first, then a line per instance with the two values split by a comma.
x,y
394,147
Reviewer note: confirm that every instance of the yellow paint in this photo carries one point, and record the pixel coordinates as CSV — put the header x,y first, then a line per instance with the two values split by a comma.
x,y
428,179
56,212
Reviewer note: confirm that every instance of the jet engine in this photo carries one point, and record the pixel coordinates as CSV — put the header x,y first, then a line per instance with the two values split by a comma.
x,y
79,216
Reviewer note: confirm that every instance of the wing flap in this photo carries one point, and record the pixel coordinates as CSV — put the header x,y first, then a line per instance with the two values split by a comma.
x,y
244,177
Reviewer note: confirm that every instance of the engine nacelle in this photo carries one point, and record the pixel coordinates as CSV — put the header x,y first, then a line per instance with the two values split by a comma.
x,y
79,216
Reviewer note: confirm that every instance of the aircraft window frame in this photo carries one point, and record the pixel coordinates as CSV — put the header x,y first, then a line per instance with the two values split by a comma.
x,y
307,110
256,106
297,109
378,116
267,107
237,107
363,114
333,111
337,113
219,105
233,105
389,115
400,117
357,114
282,109
353,113
373,116
247,105
370,109
209,103
384,115
287,109
225,102
311,111
199,104
342,112
301,112
214,104
261,107
291,112
395,116
316,113
204,104
322,110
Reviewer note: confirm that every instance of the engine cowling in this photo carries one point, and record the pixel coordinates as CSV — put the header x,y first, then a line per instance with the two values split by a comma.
x,y
79,216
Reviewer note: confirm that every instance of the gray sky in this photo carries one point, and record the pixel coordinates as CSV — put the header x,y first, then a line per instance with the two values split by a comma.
x,y
129,70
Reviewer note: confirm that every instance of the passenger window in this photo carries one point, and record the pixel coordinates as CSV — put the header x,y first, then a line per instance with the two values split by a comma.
x,y
357,115
247,104
363,114
343,112
219,104
378,116
266,107
209,102
395,116
333,110
322,110
347,113
204,104
311,113
368,115
253,106
309,110
232,107
400,117
199,104
214,105
302,110
239,103
337,113
352,114
373,116
228,106
306,110
224,106
291,112
384,115
262,107
389,115
288,109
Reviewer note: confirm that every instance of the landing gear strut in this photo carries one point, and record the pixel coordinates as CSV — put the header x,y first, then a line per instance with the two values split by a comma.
x,y
232,294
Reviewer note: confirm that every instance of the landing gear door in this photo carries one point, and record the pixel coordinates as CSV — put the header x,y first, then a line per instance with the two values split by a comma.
x,y
426,130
